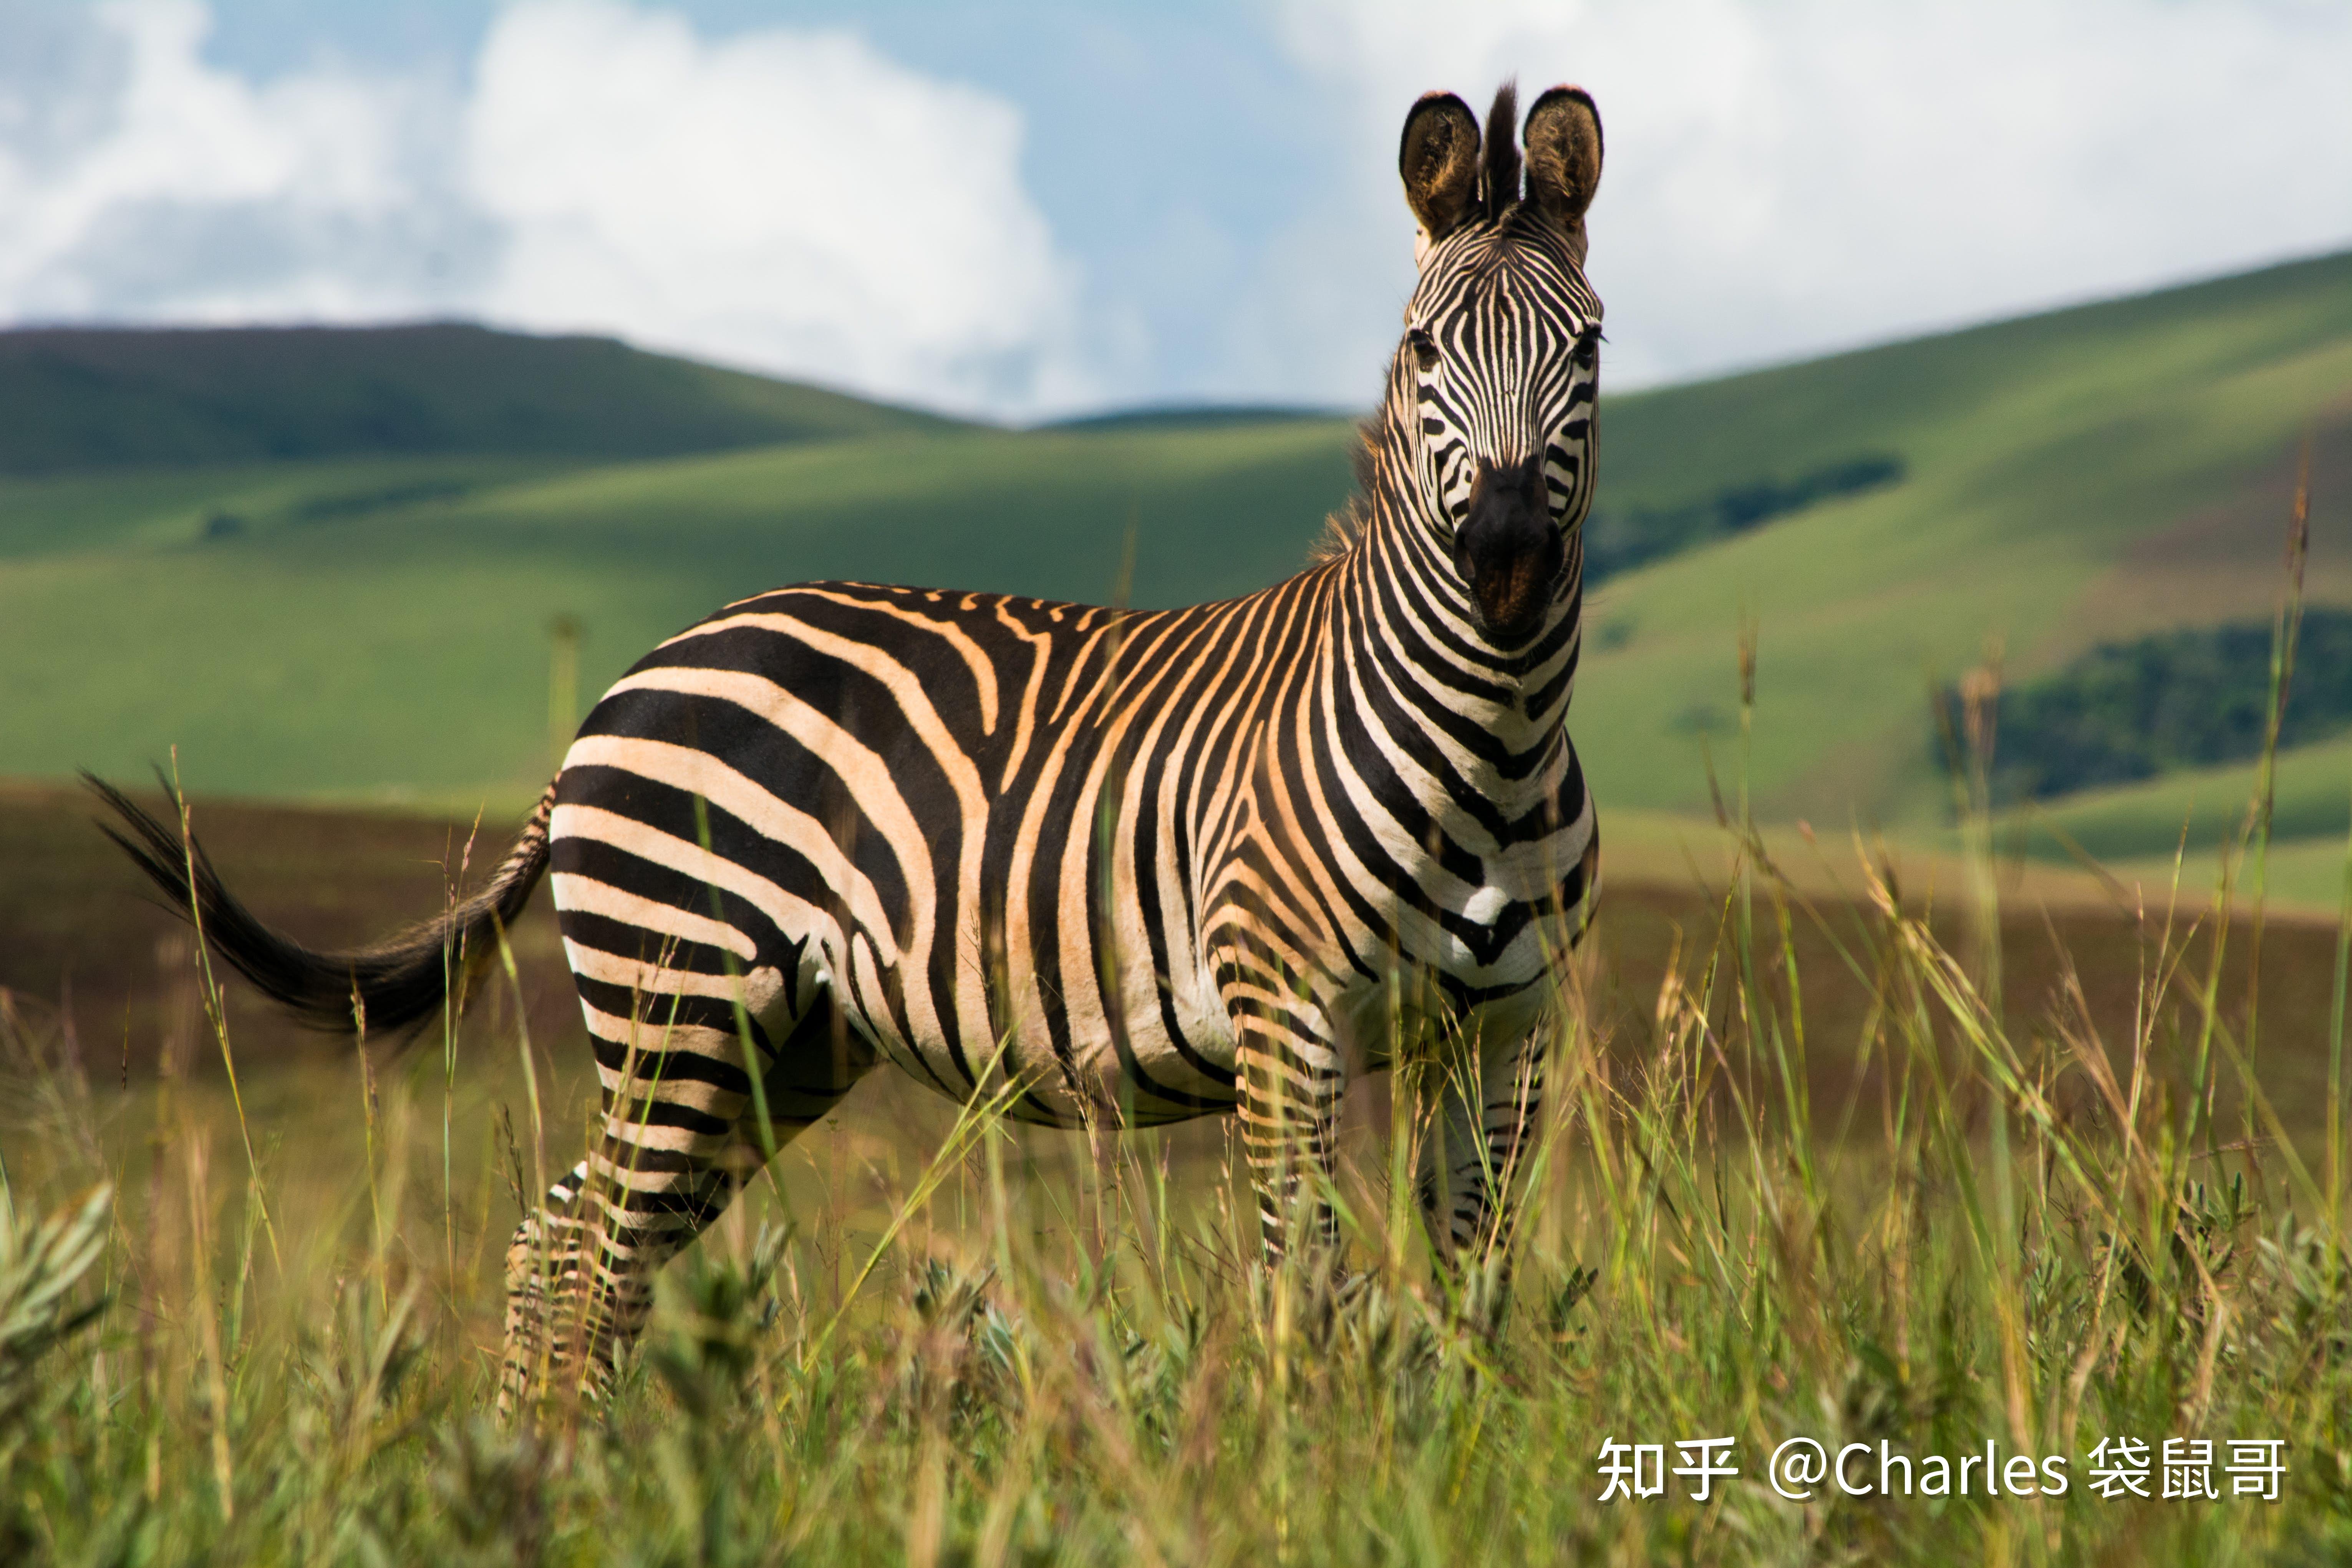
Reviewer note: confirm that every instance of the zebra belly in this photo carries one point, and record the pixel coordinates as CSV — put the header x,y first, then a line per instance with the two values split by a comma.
x,y
1111,1058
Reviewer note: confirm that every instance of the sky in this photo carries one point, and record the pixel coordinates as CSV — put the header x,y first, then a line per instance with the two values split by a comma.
x,y
1032,207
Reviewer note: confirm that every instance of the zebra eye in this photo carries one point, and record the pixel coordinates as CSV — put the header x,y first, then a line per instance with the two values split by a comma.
x,y
1424,348
1587,348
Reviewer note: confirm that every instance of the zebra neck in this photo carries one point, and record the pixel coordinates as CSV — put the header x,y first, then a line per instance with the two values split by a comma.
x,y
1406,617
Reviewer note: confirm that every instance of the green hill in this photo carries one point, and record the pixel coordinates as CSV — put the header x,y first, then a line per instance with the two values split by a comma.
x,y
365,624
377,627
82,399
2070,478
1194,416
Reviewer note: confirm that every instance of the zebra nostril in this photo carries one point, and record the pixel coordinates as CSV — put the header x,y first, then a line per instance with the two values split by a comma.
x,y
1531,486
1520,483
1509,547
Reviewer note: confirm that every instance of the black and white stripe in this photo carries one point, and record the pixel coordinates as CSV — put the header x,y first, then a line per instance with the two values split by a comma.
x,y
1140,866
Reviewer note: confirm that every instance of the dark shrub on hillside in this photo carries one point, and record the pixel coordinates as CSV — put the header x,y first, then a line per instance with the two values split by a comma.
x,y
1620,539
2179,699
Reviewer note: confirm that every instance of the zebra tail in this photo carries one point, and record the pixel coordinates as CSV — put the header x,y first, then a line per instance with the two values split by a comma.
x,y
387,987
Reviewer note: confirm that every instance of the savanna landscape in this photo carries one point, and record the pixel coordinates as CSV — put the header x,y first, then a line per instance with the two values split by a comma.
x,y
1914,1090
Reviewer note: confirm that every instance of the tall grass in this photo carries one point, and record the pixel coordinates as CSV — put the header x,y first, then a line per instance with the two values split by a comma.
x,y
2025,1223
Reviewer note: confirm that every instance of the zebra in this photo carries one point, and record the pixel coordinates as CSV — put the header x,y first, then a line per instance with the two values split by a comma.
x,y
1117,868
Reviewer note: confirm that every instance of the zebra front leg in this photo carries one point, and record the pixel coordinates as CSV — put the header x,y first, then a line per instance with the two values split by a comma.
x,y
1488,1105
1291,1078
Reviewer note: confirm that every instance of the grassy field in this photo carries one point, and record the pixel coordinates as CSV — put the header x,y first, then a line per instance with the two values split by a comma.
x,y
1813,1167
2141,826
1857,1132
1822,1162
2091,474
402,652
79,931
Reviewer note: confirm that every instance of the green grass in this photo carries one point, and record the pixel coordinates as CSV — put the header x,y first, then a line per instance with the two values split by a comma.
x,y
2036,1234
2137,829
108,513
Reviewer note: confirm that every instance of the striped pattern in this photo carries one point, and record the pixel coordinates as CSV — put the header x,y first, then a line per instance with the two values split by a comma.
x,y
1143,864
1122,868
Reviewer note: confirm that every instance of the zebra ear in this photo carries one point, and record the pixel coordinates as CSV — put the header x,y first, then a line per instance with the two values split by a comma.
x,y
1563,141
1439,161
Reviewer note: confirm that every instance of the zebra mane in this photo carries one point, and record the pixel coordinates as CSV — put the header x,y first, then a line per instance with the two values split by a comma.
x,y
1342,528
1499,158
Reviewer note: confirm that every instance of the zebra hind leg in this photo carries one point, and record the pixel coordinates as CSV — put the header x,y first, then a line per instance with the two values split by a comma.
x,y
580,1275
678,1140
565,1310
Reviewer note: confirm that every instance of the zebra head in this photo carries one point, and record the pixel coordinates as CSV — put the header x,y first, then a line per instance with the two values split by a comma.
x,y
1493,388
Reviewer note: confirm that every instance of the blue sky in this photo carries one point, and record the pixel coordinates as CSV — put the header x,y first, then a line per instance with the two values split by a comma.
x,y
1035,207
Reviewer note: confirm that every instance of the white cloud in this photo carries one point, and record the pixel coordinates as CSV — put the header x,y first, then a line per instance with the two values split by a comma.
x,y
789,201
168,190
1785,176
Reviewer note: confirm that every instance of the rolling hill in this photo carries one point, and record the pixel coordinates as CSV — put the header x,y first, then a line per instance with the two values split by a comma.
x,y
372,622
2071,477
378,627
78,399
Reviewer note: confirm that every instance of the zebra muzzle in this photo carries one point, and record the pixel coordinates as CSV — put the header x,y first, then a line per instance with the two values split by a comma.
x,y
1508,550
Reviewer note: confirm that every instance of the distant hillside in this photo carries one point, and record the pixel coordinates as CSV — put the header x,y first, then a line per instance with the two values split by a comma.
x,y
2192,697
374,624
90,398
1193,417
377,627
1620,539
2085,476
